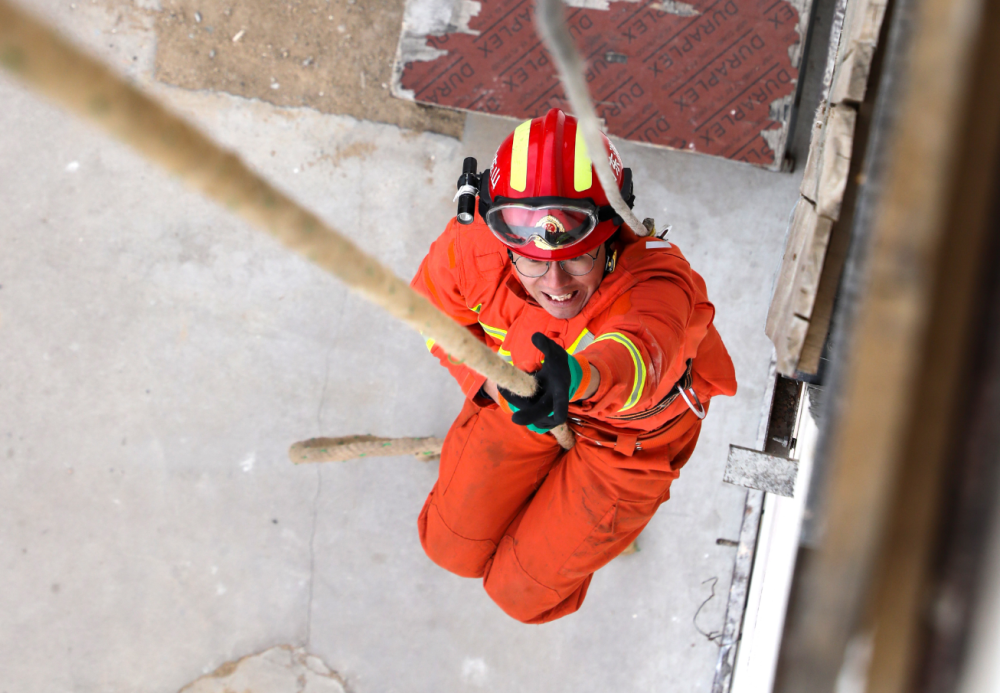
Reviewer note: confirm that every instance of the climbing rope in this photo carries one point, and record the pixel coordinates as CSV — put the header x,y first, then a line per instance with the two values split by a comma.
x,y
46,62
43,60
354,447
551,22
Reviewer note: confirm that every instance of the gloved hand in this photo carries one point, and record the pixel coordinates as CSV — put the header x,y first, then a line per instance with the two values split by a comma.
x,y
559,380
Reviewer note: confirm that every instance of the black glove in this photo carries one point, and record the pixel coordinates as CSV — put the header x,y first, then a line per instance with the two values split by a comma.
x,y
559,375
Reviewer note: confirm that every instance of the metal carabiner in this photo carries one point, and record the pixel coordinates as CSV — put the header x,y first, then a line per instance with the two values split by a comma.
x,y
700,411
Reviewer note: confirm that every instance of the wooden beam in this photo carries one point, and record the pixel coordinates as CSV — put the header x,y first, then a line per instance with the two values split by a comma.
x,y
900,368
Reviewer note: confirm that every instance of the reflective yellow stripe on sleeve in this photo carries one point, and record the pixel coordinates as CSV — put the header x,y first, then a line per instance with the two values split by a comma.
x,y
498,335
494,332
583,174
519,157
640,367
582,342
430,344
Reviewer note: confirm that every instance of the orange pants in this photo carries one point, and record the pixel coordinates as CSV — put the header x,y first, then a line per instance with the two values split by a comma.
x,y
535,522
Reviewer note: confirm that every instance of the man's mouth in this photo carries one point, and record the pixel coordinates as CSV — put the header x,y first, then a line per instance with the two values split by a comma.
x,y
561,298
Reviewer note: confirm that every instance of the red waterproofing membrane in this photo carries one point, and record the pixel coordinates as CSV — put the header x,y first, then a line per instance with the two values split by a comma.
x,y
704,82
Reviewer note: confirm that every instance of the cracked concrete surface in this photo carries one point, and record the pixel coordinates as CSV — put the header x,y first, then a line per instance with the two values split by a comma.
x,y
162,356
282,669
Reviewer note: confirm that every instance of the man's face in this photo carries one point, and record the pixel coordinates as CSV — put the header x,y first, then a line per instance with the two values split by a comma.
x,y
563,295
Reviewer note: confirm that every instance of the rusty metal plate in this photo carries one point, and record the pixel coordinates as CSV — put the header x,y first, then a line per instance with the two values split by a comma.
x,y
717,77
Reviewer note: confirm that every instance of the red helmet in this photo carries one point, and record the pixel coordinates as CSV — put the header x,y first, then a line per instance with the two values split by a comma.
x,y
541,196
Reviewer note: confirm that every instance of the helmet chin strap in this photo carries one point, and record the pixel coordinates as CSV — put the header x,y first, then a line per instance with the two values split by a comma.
x,y
610,255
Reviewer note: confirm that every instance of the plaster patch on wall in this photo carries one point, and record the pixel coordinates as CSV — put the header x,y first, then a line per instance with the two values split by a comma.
x,y
681,9
474,671
803,8
411,49
281,669
429,18
439,17
592,4
464,10
781,111
774,138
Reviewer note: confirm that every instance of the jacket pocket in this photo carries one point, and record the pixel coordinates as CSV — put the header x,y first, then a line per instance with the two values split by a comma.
x,y
455,444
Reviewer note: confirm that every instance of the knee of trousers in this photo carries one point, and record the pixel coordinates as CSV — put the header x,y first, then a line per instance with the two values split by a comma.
x,y
453,552
523,597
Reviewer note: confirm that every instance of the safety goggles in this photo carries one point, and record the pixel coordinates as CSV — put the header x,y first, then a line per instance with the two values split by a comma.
x,y
551,223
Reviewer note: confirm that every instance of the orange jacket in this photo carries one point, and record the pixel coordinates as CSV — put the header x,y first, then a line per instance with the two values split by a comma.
x,y
646,320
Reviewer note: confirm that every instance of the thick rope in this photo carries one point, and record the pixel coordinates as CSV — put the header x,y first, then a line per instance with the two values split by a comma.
x,y
551,22
44,61
354,447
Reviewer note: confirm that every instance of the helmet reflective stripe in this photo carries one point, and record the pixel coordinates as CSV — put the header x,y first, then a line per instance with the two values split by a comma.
x,y
640,367
583,174
543,160
519,157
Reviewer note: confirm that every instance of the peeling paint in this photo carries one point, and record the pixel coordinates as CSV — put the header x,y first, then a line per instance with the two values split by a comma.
x,y
429,18
464,11
775,138
439,17
780,111
654,79
681,9
592,4
411,49
802,8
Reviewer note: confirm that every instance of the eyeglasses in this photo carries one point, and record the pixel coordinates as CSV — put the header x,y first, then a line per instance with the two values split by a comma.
x,y
576,266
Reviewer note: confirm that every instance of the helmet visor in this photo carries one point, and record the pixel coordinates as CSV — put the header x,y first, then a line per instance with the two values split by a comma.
x,y
549,226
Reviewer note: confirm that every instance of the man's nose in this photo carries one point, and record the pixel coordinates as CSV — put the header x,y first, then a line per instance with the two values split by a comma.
x,y
556,276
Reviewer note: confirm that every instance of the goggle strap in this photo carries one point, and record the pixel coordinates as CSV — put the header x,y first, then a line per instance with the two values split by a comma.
x,y
485,201
627,193
608,212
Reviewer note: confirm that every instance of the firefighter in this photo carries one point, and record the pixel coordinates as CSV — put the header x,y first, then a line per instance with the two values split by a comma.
x,y
618,330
